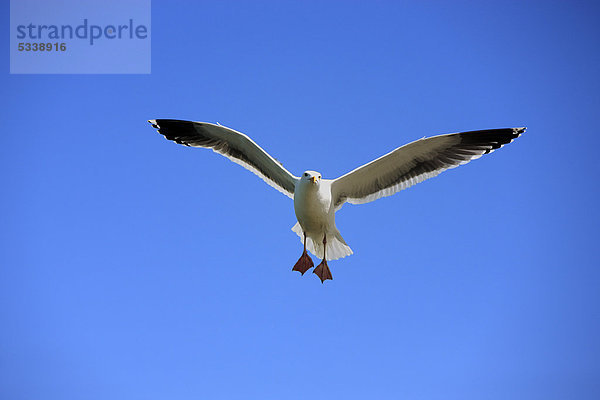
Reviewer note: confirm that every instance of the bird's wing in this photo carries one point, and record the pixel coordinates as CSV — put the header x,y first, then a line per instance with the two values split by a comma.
x,y
236,146
415,162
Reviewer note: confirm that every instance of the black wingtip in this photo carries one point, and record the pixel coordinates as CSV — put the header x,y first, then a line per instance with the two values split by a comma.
x,y
174,129
491,138
516,132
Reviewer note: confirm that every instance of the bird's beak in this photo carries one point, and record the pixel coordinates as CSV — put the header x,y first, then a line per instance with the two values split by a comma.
x,y
313,179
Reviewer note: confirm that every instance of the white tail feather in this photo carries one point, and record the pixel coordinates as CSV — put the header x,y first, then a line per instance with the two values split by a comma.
x,y
336,246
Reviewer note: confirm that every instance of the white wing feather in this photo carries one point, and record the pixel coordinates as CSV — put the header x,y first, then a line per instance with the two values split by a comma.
x,y
234,145
416,162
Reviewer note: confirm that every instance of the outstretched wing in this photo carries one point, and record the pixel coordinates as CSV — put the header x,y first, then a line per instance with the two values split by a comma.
x,y
415,162
236,146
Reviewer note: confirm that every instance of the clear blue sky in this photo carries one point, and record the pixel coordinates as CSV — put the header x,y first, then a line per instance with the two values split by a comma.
x,y
134,268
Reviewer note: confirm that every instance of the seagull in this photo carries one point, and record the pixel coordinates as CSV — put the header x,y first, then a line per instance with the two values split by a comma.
x,y
316,200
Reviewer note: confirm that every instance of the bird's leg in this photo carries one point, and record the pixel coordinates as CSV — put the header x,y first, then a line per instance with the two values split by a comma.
x,y
322,269
305,262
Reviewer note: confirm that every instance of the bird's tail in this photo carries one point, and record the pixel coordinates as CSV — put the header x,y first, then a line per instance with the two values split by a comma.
x,y
336,245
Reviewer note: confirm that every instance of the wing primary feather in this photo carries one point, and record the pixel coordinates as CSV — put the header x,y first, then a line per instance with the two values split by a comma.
x,y
417,161
234,145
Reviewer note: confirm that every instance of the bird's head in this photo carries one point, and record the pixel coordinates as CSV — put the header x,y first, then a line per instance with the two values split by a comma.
x,y
311,176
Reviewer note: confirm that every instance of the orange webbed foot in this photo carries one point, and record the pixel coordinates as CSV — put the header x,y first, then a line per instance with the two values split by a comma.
x,y
304,263
323,272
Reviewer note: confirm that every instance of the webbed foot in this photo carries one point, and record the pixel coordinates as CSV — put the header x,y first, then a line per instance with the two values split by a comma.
x,y
323,272
304,263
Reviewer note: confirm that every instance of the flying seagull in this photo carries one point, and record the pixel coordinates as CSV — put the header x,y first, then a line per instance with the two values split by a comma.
x,y
316,199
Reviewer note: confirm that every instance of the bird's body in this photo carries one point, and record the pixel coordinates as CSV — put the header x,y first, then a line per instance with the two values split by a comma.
x,y
312,205
315,212
315,199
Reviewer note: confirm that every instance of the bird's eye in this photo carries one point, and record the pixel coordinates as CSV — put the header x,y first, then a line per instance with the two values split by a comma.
x,y
319,176
305,174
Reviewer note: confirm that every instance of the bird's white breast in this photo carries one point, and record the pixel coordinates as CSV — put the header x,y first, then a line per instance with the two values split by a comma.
x,y
312,204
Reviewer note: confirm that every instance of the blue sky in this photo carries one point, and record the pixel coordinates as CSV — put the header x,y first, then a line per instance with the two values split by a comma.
x,y
133,268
